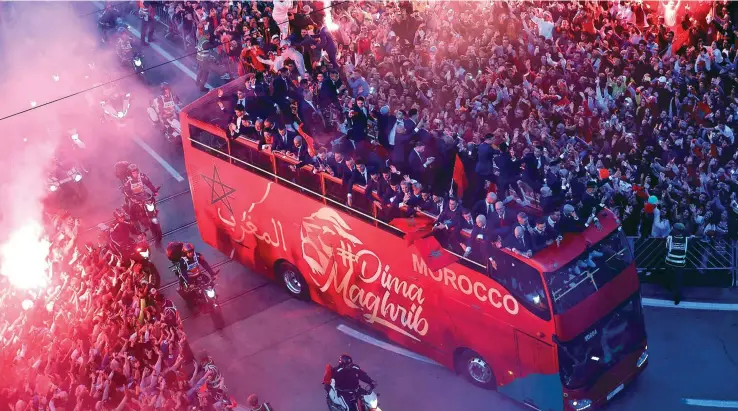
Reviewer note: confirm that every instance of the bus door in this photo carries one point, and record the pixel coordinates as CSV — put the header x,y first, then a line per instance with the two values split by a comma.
x,y
540,383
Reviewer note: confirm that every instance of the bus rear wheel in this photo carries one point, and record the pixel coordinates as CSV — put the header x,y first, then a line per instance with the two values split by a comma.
x,y
293,281
476,370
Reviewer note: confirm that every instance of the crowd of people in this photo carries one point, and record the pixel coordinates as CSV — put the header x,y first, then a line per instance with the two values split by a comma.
x,y
566,106
98,337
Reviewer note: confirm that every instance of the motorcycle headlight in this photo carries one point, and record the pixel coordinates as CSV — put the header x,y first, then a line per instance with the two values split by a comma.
x,y
144,253
155,220
33,103
78,177
150,207
373,402
55,77
210,293
121,114
128,94
137,62
53,187
75,137
580,405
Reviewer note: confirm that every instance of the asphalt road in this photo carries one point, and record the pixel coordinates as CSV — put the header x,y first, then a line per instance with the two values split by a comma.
x,y
278,347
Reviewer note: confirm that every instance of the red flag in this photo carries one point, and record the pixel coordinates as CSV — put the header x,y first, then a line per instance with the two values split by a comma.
x,y
413,227
435,256
460,177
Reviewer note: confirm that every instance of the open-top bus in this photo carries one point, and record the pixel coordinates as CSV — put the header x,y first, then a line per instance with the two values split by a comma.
x,y
562,330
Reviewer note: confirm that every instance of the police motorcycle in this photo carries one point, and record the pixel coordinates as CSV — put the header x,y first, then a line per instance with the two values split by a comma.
x,y
365,399
144,213
199,291
129,56
164,113
125,252
66,180
115,105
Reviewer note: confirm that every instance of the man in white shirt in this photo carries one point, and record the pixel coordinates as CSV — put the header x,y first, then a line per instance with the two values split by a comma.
x,y
545,24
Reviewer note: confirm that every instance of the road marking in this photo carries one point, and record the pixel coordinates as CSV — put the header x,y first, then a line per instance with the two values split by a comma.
x,y
689,305
158,158
711,403
383,345
191,74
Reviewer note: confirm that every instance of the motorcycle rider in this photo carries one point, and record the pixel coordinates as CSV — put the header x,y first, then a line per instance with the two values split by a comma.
x,y
121,233
123,46
136,183
166,105
347,376
189,265
216,379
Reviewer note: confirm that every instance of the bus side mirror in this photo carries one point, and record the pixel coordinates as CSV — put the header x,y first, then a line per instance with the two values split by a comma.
x,y
555,339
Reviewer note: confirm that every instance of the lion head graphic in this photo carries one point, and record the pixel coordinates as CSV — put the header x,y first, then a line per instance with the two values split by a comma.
x,y
320,234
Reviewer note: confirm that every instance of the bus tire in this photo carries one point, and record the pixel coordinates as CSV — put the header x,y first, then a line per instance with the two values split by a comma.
x,y
293,281
476,370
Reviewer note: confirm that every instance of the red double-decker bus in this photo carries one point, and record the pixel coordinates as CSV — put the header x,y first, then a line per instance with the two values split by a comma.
x,y
562,330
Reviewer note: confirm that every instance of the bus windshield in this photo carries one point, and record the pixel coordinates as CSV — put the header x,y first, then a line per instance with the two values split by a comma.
x,y
586,357
584,275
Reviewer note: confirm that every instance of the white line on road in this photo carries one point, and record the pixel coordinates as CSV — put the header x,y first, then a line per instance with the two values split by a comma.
x,y
158,158
711,403
383,345
689,305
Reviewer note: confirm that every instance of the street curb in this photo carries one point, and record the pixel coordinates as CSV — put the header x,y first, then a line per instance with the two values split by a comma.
x,y
696,294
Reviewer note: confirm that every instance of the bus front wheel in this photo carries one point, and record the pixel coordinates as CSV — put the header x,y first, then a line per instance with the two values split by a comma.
x,y
293,281
476,370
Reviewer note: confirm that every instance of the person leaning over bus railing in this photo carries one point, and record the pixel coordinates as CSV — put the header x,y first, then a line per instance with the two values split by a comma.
x,y
519,242
481,235
544,235
571,223
447,222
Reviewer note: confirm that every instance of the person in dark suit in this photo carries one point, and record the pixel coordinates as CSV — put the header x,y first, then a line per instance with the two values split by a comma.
x,y
240,98
299,150
402,147
519,242
552,179
360,173
320,161
329,90
375,187
238,124
485,160
553,221
485,207
386,122
509,170
501,220
284,139
359,122
426,202
338,166
480,238
309,114
533,164
591,199
543,235
282,89
447,223
419,164
267,142
571,222
467,221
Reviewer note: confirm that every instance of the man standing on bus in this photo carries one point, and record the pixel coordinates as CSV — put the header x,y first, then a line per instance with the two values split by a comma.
x,y
676,258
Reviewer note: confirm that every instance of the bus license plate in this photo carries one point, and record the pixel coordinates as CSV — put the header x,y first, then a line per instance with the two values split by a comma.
x,y
615,391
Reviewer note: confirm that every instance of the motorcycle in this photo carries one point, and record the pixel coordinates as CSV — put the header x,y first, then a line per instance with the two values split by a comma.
x,y
138,66
133,252
109,104
364,399
145,214
171,127
198,293
66,180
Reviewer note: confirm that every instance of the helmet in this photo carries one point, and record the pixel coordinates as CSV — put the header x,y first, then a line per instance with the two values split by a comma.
x,y
165,86
132,167
188,248
345,360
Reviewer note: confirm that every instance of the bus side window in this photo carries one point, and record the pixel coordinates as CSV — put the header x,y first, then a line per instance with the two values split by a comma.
x,y
522,281
210,143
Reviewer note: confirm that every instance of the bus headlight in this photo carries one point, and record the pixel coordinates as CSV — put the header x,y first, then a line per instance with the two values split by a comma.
x,y
642,359
580,405
210,293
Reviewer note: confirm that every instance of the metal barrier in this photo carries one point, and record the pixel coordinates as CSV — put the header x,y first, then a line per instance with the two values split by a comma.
x,y
164,13
709,263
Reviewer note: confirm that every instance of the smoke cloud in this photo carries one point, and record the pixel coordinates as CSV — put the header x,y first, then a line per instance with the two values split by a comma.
x,y
49,50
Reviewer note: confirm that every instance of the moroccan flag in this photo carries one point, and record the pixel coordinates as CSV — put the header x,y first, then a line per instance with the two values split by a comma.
x,y
413,227
460,177
435,256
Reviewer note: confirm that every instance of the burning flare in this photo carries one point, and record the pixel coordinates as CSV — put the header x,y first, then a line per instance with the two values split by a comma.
x,y
23,258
